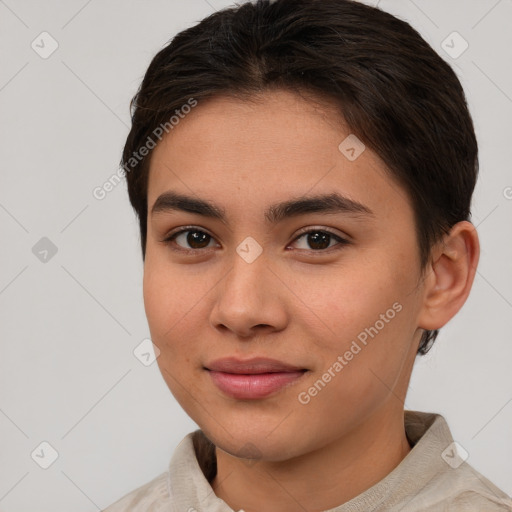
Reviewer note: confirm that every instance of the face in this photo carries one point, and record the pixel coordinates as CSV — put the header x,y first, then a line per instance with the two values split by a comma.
x,y
257,263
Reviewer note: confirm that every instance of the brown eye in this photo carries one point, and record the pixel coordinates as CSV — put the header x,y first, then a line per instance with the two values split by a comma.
x,y
190,239
197,239
319,240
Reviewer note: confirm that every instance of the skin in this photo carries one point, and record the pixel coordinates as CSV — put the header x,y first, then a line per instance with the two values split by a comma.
x,y
295,303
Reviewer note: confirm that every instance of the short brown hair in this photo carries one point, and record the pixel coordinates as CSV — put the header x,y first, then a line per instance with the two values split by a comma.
x,y
394,92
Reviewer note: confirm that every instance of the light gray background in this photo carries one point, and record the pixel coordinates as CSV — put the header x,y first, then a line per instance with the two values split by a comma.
x,y
68,375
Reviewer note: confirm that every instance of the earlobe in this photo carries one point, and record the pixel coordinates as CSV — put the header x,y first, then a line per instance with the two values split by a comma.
x,y
450,276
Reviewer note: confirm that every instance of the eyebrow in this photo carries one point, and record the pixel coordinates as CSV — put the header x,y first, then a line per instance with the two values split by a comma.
x,y
333,203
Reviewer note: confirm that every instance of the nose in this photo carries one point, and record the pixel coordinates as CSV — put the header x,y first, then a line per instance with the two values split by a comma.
x,y
249,300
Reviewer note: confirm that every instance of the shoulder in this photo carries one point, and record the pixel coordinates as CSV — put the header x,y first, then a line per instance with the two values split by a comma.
x,y
151,497
473,492
473,501
463,489
435,477
170,490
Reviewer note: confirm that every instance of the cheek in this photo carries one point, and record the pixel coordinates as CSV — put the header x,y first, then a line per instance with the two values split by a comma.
x,y
171,318
370,312
350,298
170,304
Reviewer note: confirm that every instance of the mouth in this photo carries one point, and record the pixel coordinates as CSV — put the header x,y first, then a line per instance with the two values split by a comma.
x,y
254,378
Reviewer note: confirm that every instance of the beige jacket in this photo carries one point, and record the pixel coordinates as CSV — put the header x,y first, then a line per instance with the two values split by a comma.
x,y
431,478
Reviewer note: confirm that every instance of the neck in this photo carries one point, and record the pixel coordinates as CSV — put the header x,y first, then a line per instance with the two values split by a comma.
x,y
320,480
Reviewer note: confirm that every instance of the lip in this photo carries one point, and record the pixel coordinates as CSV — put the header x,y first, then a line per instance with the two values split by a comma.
x,y
254,365
252,379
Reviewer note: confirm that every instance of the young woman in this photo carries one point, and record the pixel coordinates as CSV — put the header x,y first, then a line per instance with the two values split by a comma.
x,y
302,171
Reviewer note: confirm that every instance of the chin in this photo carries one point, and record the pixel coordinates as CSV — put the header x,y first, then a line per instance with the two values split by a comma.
x,y
253,444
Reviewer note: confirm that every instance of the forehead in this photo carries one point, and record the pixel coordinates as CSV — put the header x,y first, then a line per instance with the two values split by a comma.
x,y
268,119
262,149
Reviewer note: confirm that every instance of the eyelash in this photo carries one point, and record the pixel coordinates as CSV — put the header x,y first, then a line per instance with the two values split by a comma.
x,y
169,240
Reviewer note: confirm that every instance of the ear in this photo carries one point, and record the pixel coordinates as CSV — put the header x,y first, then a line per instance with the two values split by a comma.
x,y
449,276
